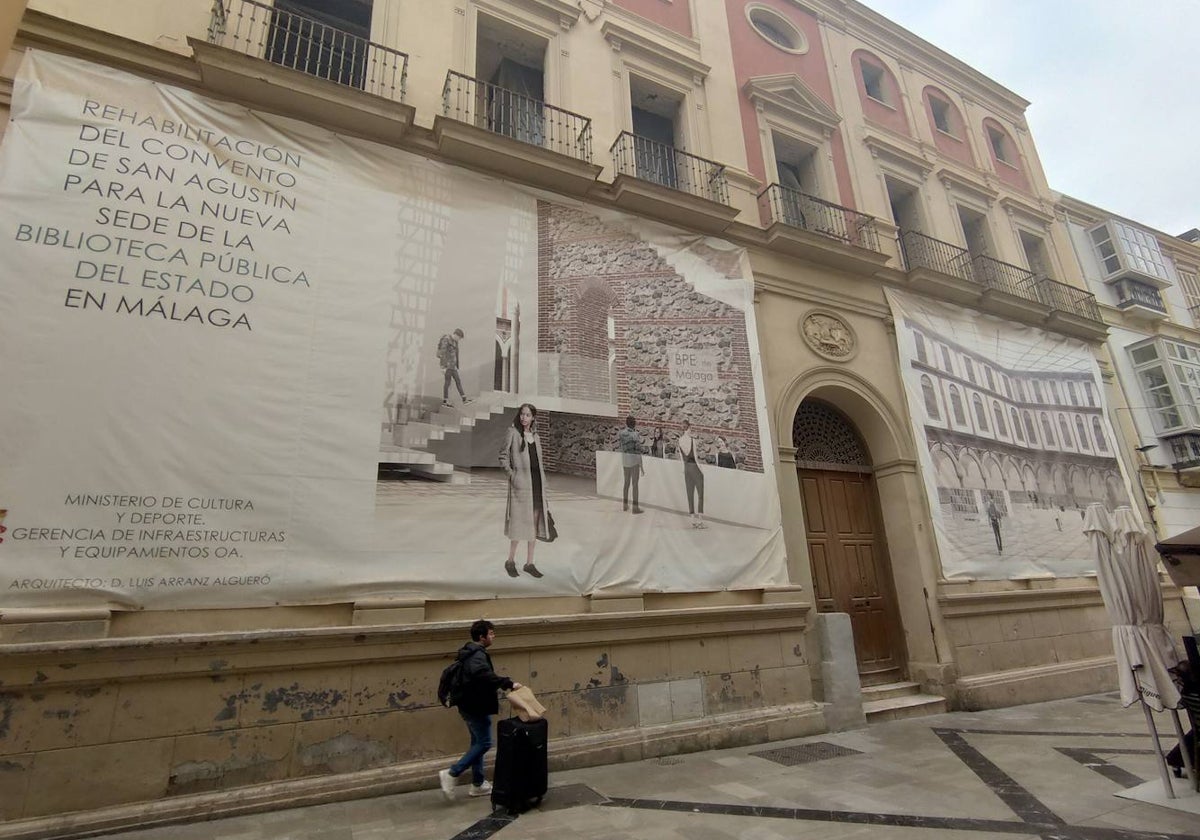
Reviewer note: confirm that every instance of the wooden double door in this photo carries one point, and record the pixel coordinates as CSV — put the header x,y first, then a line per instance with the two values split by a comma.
x,y
851,571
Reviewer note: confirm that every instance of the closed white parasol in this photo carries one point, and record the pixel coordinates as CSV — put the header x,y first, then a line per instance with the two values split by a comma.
x,y
1129,584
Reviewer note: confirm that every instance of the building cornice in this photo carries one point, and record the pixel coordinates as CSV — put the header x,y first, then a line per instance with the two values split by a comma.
x,y
623,30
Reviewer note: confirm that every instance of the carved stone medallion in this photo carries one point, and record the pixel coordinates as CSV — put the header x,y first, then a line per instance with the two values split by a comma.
x,y
828,336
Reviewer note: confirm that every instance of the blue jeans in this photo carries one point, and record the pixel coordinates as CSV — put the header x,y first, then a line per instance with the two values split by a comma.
x,y
480,727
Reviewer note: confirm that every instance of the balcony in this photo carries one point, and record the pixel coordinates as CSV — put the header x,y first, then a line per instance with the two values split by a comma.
x,y
497,129
301,43
248,40
791,207
1140,300
1067,301
652,177
1185,457
939,268
951,273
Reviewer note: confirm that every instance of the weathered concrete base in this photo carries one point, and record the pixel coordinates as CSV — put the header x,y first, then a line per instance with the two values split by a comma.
x,y
715,732
1033,685
839,685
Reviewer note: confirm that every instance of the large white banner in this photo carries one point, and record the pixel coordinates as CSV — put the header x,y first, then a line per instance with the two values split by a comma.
x,y
249,361
1013,438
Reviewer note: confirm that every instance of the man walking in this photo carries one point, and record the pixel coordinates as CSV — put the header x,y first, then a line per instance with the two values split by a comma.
x,y
629,441
448,358
476,703
994,516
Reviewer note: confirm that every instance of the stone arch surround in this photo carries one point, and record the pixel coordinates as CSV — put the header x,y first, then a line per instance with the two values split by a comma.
x,y
903,506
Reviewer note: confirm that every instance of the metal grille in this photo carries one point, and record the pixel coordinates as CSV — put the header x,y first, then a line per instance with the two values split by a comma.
x,y
301,43
792,207
805,753
822,434
517,116
649,160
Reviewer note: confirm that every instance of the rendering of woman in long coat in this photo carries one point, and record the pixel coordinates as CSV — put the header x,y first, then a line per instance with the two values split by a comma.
x,y
526,516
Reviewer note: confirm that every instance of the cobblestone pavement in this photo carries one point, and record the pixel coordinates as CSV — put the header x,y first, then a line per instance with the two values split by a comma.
x,y
1047,770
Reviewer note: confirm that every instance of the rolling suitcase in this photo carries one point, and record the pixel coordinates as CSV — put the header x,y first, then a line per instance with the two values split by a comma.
x,y
521,775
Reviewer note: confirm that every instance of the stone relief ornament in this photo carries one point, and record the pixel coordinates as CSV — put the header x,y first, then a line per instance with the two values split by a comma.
x,y
828,336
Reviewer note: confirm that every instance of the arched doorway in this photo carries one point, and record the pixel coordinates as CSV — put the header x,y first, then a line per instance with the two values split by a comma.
x,y
850,565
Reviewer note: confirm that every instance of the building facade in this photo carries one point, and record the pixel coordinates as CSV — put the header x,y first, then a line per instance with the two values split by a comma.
x,y
713,218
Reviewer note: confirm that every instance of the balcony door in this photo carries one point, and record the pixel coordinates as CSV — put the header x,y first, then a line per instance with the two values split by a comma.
x,y
512,61
655,113
796,173
324,38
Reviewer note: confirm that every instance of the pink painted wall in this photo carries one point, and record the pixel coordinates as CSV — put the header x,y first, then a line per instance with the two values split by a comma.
x,y
675,15
888,114
754,56
1009,173
955,146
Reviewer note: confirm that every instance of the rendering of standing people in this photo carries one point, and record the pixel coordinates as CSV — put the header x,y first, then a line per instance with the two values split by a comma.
x,y
994,516
629,442
658,444
526,517
693,479
476,702
724,456
448,358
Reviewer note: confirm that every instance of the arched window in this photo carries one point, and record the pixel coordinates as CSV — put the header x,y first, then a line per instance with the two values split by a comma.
x,y
946,365
1081,433
1091,396
1030,431
1047,430
931,405
1098,435
1057,392
1072,394
998,416
987,372
980,414
1016,424
1065,431
956,405
919,340
1037,391
969,367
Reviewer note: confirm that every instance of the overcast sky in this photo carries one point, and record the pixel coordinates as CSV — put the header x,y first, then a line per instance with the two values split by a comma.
x,y
1113,87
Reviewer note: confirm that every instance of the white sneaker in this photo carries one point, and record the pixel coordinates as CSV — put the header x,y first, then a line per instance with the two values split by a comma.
x,y
447,782
700,523
484,789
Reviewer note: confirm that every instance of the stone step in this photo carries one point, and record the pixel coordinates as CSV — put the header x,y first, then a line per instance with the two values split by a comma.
x,y
908,706
885,691
880,677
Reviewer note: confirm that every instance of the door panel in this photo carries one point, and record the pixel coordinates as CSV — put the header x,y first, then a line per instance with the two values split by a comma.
x,y
851,572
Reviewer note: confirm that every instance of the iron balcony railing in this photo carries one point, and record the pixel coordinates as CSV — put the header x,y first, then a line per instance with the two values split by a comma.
x,y
515,115
304,44
792,207
921,251
1133,293
1005,277
1069,299
650,160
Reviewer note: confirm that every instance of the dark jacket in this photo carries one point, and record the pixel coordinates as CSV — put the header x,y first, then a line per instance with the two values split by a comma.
x,y
479,694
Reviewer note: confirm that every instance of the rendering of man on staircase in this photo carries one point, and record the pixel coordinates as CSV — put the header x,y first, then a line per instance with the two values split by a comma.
x,y
447,351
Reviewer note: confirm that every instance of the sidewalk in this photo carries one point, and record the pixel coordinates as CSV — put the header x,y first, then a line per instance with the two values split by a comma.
x,y
1047,770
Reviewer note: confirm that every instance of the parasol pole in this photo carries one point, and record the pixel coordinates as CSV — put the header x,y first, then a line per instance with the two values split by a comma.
x,y
1158,751
1183,750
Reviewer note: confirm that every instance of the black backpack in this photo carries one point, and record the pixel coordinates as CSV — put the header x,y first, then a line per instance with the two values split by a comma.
x,y
452,682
